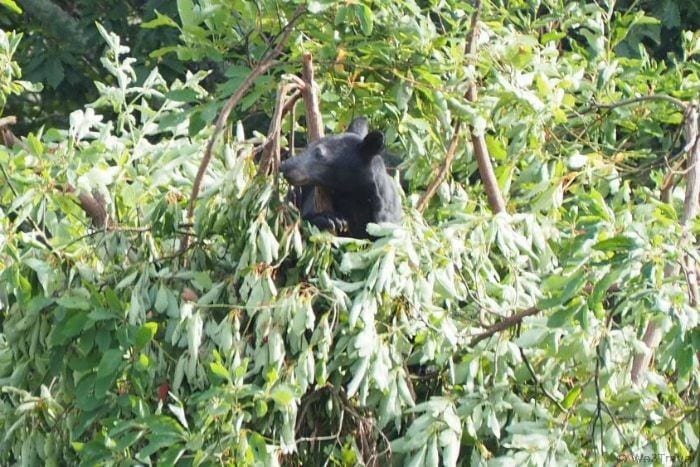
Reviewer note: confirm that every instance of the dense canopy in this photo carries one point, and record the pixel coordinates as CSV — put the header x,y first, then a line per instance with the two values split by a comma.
x,y
161,302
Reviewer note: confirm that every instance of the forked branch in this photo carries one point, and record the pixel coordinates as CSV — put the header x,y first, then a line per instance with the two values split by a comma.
x,y
481,153
263,66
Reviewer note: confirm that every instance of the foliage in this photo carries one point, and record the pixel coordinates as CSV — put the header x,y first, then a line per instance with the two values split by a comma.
x,y
62,47
271,342
10,72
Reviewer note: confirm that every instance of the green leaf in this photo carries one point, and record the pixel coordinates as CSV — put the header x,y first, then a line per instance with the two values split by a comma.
x,y
11,5
617,243
366,17
359,372
145,334
43,271
54,72
172,455
496,148
143,362
185,9
161,303
128,439
160,20
562,316
182,95
101,314
259,446
74,301
260,408
219,370
38,303
202,280
601,287
282,395
157,442
69,328
110,363
571,286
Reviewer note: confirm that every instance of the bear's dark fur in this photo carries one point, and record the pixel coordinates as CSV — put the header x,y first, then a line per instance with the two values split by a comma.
x,y
350,166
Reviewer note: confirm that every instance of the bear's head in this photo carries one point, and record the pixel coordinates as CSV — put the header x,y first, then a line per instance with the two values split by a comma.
x,y
341,162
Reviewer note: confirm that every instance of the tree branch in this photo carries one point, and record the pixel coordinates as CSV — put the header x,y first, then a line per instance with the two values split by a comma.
x,y
270,159
444,169
8,120
263,65
93,204
653,333
481,153
314,120
653,97
94,207
504,324
314,125
538,383
7,138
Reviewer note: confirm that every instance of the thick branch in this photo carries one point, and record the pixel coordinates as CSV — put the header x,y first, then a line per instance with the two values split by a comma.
x,y
7,138
314,125
314,121
481,153
653,333
488,176
265,64
9,120
94,206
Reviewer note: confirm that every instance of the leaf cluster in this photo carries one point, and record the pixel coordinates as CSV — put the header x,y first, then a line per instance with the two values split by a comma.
x,y
270,342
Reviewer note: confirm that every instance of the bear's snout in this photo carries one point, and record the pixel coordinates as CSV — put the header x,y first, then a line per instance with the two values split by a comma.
x,y
291,171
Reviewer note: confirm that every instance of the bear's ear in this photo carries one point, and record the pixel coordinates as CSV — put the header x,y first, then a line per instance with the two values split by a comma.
x,y
372,145
359,126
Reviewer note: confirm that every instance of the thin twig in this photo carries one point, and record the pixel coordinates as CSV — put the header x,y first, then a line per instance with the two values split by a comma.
x,y
669,182
503,325
599,398
538,383
264,149
270,158
444,169
263,65
653,97
336,436
104,230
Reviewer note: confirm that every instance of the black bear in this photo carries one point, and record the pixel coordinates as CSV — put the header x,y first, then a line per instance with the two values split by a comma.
x,y
350,166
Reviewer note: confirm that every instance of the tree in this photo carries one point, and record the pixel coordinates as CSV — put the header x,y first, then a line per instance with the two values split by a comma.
x,y
476,332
